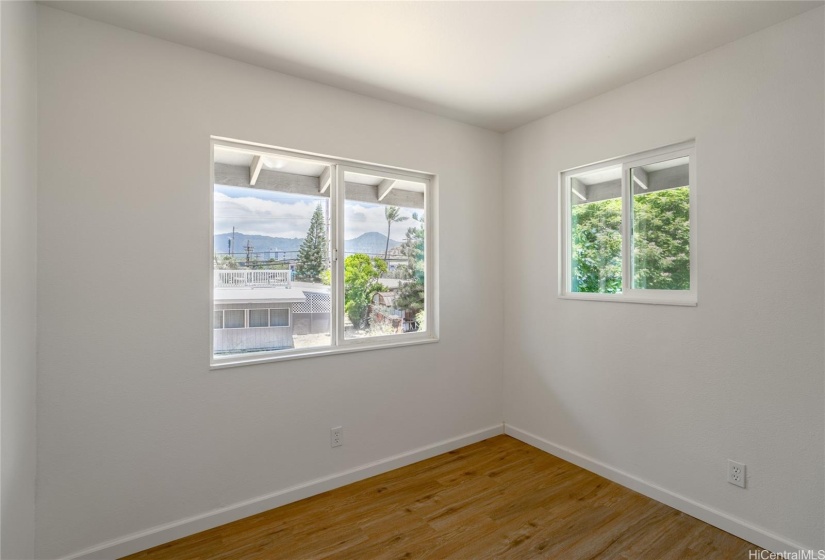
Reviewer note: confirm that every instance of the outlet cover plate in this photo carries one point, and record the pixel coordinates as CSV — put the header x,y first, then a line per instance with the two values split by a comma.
x,y
336,437
736,473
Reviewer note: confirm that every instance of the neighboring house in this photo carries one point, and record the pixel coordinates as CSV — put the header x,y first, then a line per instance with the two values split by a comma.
x,y
383,310
259,310
386,299
254,319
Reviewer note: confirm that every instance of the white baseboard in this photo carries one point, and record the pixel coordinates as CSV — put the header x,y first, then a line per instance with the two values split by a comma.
x,y
195,524
728,523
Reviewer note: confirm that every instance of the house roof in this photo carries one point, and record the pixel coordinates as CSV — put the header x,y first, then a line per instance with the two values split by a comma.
x,y
259,295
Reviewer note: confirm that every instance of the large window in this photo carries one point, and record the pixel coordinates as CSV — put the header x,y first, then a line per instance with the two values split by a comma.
x,y
313,255
628,229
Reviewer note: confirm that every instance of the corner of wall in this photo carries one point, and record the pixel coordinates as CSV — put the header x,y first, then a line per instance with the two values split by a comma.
x,y
18,293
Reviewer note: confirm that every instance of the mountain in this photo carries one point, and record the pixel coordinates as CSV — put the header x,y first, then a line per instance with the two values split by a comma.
x,y
266,247
371,243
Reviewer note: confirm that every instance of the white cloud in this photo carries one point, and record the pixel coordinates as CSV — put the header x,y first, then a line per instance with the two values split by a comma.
x,y
283,215
257,216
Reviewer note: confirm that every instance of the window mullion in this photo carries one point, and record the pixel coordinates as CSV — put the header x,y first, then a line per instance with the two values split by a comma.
x,y
694,262
627,231
564,219
337,283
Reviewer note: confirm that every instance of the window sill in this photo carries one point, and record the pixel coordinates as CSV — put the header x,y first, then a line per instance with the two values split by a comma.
x,y
351,346
688,300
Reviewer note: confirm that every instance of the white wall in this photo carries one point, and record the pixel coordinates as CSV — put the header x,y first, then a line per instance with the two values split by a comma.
x,y
670,393
18,266
134,430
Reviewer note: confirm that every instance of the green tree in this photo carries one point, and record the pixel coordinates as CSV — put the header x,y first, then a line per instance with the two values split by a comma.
x,y
410,294
597,247
226,262
392,214
312,255
661,243
661,240
361,274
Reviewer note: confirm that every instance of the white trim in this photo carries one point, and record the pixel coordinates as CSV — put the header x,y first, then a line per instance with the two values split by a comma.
x,y
431,260
168,532
385,188
726,522
288,153
255,169
336,272
628,294
339,207
627,232
325,179
162,534
668,299
374,343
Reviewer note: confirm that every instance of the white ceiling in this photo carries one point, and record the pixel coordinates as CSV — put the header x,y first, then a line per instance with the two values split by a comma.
x,y
494,64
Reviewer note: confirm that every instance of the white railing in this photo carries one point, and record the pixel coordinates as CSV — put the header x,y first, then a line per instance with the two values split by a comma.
x,y
252,278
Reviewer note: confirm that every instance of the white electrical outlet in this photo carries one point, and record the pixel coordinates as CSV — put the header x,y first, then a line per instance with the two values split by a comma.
x,y
736,473
336,436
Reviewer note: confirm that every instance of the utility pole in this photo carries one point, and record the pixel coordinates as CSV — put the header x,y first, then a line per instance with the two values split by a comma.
x,y
248,251
232,247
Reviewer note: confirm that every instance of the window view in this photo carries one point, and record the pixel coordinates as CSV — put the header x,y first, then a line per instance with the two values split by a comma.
x,y
661,225
271,254
311,254
596,231
384,248
629,227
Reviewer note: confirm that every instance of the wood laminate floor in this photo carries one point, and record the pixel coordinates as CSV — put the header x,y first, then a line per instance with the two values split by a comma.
x,y
499,498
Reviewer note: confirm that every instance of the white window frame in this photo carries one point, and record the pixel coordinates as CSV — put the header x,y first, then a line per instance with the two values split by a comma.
x,y
629,294
288,317
245,319
338,344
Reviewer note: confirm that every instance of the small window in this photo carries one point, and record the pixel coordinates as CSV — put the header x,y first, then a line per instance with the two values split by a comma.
x,y
258,318
234,318
629,229
218,322
279,317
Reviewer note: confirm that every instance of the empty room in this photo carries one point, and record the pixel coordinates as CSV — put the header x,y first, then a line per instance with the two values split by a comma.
x,y
465,280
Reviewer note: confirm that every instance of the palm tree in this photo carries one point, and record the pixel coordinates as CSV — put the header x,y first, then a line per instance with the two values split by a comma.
x,y
392,215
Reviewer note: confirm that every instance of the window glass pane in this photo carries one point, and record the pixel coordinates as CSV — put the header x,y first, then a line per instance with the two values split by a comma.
x,y
596,231
279,317
661,225
384,266
234,318
258,318
218,324
271,245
